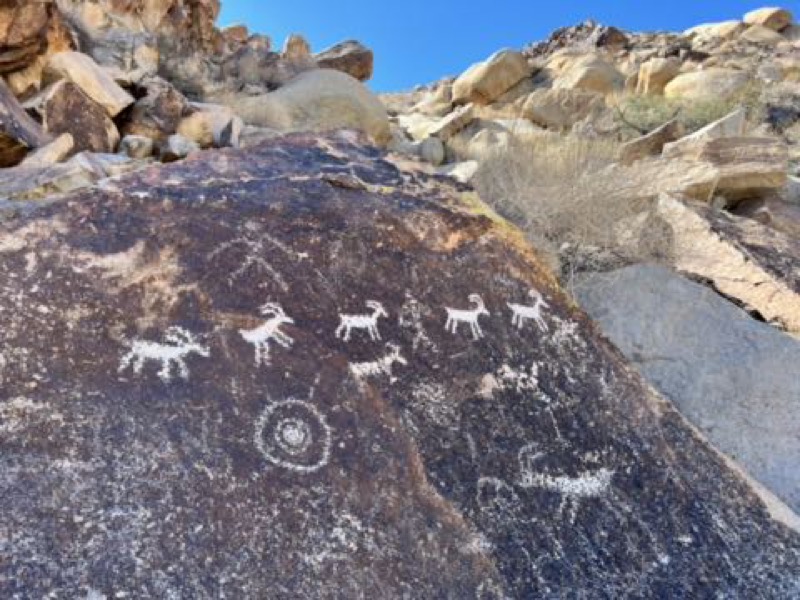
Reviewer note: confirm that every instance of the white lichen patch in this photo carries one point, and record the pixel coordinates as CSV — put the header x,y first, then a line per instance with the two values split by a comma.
x,y
509,378
429,399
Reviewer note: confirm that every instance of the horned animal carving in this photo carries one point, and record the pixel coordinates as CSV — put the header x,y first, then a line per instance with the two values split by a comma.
x,y
269,330
381,366
367,322
179,344
456,316
521,312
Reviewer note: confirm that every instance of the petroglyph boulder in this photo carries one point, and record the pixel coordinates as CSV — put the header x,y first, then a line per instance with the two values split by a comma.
x,y
293,370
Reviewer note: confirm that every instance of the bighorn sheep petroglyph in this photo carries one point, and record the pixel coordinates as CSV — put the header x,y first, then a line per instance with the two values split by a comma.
x,y
180,343
456,316
521,312
382,366
268,330
368,322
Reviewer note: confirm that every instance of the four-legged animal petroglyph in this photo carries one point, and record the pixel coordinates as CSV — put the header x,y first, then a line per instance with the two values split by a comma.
x,y
382,366
268,331
573,490
470,316
367,322
180,344
521,312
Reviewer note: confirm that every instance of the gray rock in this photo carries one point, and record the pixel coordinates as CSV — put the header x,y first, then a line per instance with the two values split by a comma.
x,y
734,377
431,150
176,147
136,146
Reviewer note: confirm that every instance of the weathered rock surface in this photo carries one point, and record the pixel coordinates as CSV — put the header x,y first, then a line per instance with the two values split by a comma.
x,y
212,126
724,30
32,182
732,125
318,100
18,131
176,147
64,108
51,153
136,146
158,112
733,377
486,81
204,419
81,70
656,73
651,144
561,109
590,73
754,264
351,57
771,17
30,32
709,84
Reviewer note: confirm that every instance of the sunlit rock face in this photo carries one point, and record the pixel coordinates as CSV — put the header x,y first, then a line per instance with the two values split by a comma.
x,y
295,372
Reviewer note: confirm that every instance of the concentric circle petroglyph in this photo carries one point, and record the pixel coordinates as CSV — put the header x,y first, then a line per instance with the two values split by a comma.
x,y
294,435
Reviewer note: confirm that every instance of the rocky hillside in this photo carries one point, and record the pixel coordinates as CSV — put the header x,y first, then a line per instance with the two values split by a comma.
x,y
304,363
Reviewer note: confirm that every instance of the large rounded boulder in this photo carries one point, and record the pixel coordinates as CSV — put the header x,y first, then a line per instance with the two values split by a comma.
x,y
318,100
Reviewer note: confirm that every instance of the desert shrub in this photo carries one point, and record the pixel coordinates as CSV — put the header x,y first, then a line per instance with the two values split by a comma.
x,y
642,113
567,195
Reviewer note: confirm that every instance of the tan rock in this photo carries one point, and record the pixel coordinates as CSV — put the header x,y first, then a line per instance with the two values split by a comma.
x,y
296,49
136,146
656,73
156,114
453,123
725,30
318,100
758,34
723,170
417,126
561,108
731,125
485,81
57,38
734,255
81,70
236,34
214,126
711,84
22,31
64,108
771,17
461,171
652,143
592,74
52,153
350,57
18,131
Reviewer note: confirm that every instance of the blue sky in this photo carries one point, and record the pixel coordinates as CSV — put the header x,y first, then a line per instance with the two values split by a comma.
x,y
417,41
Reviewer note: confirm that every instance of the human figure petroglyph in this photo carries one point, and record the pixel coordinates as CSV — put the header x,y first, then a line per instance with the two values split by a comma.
x,y
180,344
367,322
381,366
522,313
269,330
469,316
